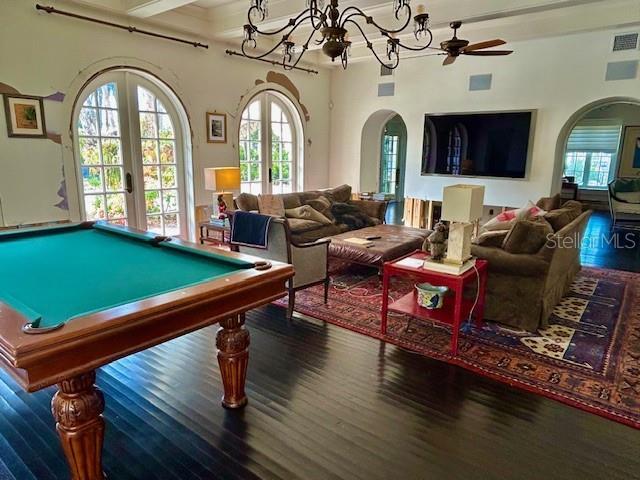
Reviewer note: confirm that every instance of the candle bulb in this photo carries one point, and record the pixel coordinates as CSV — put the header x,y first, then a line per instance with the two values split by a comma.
x,y
421,9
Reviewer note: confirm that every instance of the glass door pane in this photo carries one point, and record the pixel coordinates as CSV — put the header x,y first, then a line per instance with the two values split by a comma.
x,y
160,180
250,147
100,157
281,151
389,164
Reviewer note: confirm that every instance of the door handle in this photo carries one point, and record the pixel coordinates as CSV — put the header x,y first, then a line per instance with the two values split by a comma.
x,y
128,183
270,175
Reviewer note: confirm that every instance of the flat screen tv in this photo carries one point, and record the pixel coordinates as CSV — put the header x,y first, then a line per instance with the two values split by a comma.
x,y
477,144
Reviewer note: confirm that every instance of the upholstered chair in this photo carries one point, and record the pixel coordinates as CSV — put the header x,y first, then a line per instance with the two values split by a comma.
x,y
309,260
624,199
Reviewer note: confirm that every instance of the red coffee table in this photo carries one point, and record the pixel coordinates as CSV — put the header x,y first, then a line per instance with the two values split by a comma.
x,y
456,308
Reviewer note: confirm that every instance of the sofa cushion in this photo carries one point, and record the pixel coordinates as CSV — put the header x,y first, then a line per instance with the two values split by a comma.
x,y
631,197
562,217
291,200
341,194
549,203
271,205
505,220
247,202
527,236
307,212
299,225
321,204
491,238
322,231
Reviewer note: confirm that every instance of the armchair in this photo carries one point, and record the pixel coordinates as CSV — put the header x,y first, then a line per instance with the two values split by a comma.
x,y
624,199
309,260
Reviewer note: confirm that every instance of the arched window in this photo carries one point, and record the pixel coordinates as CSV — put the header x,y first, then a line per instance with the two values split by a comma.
x,y
128,155
269,145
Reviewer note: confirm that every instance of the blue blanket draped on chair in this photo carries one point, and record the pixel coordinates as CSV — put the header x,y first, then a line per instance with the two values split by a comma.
x,y
250,229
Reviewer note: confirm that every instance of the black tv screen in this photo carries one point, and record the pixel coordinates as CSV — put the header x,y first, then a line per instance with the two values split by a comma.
x,y
477,144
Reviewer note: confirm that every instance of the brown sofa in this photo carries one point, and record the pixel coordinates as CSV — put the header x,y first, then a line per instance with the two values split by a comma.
x,y
304,230
523,289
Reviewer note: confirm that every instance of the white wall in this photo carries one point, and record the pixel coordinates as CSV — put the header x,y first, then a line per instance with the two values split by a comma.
x,y
41,54
557,76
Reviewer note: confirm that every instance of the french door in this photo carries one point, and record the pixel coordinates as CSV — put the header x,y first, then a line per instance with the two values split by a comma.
x,y
268,146
392,159
128,155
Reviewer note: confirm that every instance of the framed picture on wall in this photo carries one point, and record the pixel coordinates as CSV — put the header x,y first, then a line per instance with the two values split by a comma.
x,y
25,116
630,159
216,127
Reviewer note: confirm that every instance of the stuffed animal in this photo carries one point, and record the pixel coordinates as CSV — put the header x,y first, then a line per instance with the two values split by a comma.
x,y
435,243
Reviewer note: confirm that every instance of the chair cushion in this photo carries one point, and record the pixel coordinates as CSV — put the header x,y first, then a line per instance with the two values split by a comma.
x,y
527,236
307,212
631,197
271,205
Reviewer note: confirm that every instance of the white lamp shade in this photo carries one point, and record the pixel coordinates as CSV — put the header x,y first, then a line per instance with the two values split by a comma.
x,y
222,179
462,203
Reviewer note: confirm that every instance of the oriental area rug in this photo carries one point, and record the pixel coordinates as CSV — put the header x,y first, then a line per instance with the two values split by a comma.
x,y
588,357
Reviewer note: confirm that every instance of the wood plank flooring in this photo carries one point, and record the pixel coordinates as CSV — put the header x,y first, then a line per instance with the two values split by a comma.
x,y
325,403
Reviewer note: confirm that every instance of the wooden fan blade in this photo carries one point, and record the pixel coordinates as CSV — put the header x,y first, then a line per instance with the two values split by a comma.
x,y
479,46
449,60
489,53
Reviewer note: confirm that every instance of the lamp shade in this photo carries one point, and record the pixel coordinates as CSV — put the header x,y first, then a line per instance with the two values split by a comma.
x,y
222,179
462,203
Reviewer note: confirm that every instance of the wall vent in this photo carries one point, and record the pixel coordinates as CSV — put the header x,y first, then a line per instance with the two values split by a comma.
x,y
480,82
625,41
385,71
386,89
622,70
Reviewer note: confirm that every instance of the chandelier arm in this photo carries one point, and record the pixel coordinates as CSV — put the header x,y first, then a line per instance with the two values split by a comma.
x,y
291,23
305,47
370,47
369,19
419,49
320,25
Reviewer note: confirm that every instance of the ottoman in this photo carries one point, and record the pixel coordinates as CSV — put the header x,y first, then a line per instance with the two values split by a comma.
x,y
395,241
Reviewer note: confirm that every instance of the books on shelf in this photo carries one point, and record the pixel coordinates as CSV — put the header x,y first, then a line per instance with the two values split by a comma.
x,y
361,242
449,268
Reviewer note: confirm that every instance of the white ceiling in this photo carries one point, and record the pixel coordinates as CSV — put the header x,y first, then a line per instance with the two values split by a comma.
x,y
511,20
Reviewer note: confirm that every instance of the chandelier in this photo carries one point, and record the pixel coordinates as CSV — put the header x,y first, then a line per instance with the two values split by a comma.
x,y
332,26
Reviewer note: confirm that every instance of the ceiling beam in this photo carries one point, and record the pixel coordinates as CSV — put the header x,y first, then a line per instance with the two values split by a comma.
x,y
149,8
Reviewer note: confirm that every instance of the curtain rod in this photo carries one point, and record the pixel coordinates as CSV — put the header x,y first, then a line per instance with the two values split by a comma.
x,y
130,29
272,62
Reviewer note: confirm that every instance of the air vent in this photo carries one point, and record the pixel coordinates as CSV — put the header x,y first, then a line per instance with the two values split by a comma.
x,y
386,89
626,41
385,71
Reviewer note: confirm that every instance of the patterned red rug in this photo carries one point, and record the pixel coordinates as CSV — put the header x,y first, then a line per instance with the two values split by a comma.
x,y
589,357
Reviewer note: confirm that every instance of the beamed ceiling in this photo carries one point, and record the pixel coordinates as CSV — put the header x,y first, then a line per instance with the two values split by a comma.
x,y
511,20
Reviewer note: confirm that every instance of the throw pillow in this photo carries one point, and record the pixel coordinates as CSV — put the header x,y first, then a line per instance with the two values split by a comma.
x,y
527,236
505,220
271,205
562,217
492,238
321,204
306,212
549,203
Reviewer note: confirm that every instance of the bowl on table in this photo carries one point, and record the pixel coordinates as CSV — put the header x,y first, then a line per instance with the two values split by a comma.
x,y
430,296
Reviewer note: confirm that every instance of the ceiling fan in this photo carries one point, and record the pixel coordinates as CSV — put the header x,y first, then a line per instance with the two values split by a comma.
x,y
456,46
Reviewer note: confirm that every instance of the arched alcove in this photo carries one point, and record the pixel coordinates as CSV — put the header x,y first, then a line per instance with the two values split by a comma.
x,y
611,108
372,145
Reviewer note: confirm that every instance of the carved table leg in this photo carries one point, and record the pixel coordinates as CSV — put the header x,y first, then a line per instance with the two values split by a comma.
x,y
232,341
77,408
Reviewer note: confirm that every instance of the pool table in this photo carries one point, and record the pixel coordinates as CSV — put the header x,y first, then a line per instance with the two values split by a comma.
x,y
76,297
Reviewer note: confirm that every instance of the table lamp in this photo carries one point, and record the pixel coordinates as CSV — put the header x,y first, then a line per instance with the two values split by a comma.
x,y
222,181
461,205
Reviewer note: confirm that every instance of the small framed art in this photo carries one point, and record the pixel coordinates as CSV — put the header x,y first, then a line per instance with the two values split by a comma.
x,y
216,127
630,160
25,116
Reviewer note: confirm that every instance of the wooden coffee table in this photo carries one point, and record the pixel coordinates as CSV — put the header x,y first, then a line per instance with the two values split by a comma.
x,y
454,311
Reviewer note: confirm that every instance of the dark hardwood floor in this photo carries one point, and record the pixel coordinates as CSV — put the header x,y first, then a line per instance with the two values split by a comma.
x,y
324,403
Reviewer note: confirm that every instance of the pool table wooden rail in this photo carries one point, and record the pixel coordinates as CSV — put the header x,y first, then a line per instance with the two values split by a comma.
x,y
88,342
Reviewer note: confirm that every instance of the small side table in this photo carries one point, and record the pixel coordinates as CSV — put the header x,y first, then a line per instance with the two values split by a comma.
x,y
223,231
456,308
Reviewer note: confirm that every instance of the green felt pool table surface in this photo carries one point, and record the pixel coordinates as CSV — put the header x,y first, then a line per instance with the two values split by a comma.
x,y
54,275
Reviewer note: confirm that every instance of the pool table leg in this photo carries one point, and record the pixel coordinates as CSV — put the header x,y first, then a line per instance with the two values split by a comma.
x,y
232,341
77,408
